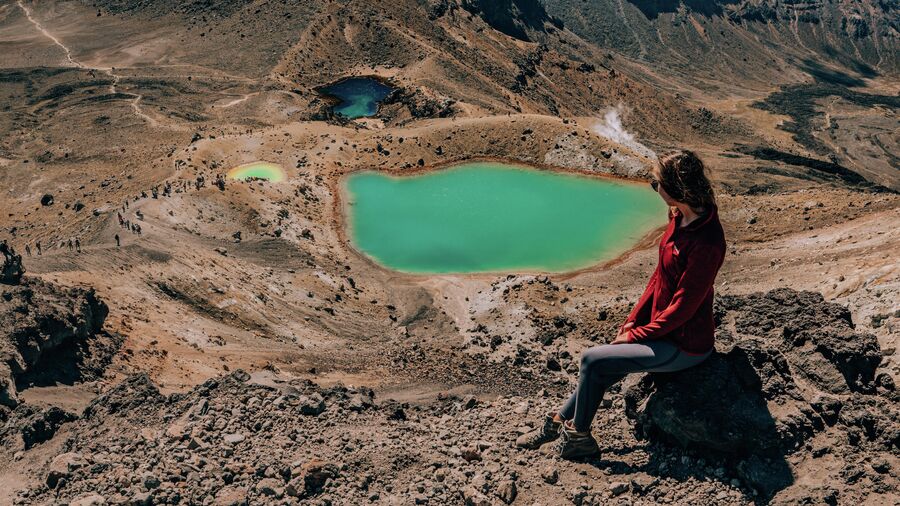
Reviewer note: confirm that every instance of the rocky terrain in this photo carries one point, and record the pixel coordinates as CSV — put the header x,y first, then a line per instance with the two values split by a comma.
x,y
778,398
170,337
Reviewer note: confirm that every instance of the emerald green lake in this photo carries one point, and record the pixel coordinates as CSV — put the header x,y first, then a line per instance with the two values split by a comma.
x,y
359,96
487,217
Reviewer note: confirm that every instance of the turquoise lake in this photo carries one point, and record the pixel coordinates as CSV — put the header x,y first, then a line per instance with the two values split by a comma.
x,y
359,96
488,217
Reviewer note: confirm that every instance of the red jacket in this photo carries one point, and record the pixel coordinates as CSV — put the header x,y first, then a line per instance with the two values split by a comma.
x,y
678,302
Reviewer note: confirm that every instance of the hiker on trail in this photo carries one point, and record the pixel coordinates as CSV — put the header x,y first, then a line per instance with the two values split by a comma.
x,y
69,244
38,246
671,327
28,249
118,241
77,245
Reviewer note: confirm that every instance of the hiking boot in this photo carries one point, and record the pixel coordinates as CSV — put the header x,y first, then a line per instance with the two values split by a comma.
x,y
534,439
576,445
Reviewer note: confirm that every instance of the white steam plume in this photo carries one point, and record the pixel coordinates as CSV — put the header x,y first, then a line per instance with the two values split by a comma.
x,y
611,128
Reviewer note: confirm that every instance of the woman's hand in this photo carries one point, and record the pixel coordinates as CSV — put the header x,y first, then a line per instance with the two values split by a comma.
x,y
622,338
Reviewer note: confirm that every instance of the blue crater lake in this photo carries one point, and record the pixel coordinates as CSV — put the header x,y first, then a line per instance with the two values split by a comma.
x,y
359,96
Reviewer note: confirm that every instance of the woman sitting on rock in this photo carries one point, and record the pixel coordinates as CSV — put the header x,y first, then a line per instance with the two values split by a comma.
x,y
671,327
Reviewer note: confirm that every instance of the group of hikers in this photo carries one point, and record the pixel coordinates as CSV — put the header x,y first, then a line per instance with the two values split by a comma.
x,y
183,185
70,244
166,190
134,228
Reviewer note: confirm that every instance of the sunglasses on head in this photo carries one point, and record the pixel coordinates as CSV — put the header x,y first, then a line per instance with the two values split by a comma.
x,y
654,184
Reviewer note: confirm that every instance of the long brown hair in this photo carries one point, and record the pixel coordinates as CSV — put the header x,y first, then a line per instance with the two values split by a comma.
x,y
683,175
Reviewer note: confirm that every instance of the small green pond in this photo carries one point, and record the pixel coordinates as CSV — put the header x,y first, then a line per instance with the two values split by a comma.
x,y
260,170
359,96
488,217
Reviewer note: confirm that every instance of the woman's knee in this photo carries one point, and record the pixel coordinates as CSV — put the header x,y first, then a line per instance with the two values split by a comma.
x,y
591,357
604,360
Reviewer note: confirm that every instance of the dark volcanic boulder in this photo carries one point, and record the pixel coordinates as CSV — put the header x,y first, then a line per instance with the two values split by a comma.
x,y
786,364
723,404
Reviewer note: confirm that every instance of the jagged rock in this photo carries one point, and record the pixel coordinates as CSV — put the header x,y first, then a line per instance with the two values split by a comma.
x,y
507,491
473,497
550,475
270,487
313,405
310,477
768,475
135,392
362,400
62,466
618,487
37,426
50,334
818,337
449,450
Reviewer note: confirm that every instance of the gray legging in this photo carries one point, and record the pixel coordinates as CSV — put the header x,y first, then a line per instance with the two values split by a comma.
x,y
602,366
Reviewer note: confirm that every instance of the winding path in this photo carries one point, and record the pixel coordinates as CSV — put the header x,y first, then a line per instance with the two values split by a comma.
x,y
49,36
113,87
